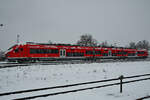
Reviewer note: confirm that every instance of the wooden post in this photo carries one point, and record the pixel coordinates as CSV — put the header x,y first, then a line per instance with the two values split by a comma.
x,y
121,78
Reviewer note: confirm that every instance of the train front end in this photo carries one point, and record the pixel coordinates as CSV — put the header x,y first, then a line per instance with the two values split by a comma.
x,y
14,53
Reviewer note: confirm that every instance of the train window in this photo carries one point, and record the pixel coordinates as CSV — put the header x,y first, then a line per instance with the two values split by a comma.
x,y
55,51
32,51
121,52
140,52
124,52
16,50
21,49
48,51
37,51
89,52
74,54
97,52
131,54
43,51
52,51
68,54
105,54
114,54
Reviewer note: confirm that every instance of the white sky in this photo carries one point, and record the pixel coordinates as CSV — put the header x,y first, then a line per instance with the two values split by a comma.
x,y
64,21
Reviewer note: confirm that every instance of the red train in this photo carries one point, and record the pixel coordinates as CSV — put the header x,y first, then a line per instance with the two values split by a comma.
x,y
41,52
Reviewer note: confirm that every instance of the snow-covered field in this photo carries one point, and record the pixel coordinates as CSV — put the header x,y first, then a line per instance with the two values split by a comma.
x,y
38,76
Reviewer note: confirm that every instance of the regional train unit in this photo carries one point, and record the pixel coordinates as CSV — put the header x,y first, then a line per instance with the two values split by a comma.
x,y
48,52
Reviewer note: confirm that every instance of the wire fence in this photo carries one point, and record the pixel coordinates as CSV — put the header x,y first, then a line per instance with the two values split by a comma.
x,y
147,97
121,78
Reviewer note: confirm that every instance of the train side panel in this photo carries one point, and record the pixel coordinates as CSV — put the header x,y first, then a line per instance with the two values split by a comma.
x,y
32,52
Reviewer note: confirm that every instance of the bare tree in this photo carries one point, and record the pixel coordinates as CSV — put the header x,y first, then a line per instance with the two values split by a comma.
x,y
132,45
104,44
144,44
2,55
49,42
87,40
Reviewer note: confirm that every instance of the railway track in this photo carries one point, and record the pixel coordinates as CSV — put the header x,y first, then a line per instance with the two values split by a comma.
x,y
10,65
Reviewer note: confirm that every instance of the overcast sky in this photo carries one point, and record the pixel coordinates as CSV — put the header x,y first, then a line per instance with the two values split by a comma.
x,y
64,21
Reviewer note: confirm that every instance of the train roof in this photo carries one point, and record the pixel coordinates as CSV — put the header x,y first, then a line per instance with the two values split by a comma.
x,y
82,46
60,44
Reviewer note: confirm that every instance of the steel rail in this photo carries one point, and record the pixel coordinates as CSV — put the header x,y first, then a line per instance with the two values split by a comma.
x,y
11,65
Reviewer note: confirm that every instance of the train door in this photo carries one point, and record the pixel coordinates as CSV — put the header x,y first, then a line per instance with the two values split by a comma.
x,y
136,53
109,53
62,53
21,52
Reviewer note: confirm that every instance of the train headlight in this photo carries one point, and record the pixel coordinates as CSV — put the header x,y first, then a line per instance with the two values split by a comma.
x,y
7,55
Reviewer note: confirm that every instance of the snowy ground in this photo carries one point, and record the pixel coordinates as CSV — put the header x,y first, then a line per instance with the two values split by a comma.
x,y
36,76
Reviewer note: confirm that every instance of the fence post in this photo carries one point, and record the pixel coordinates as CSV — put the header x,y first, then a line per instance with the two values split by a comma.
x,y
121,78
